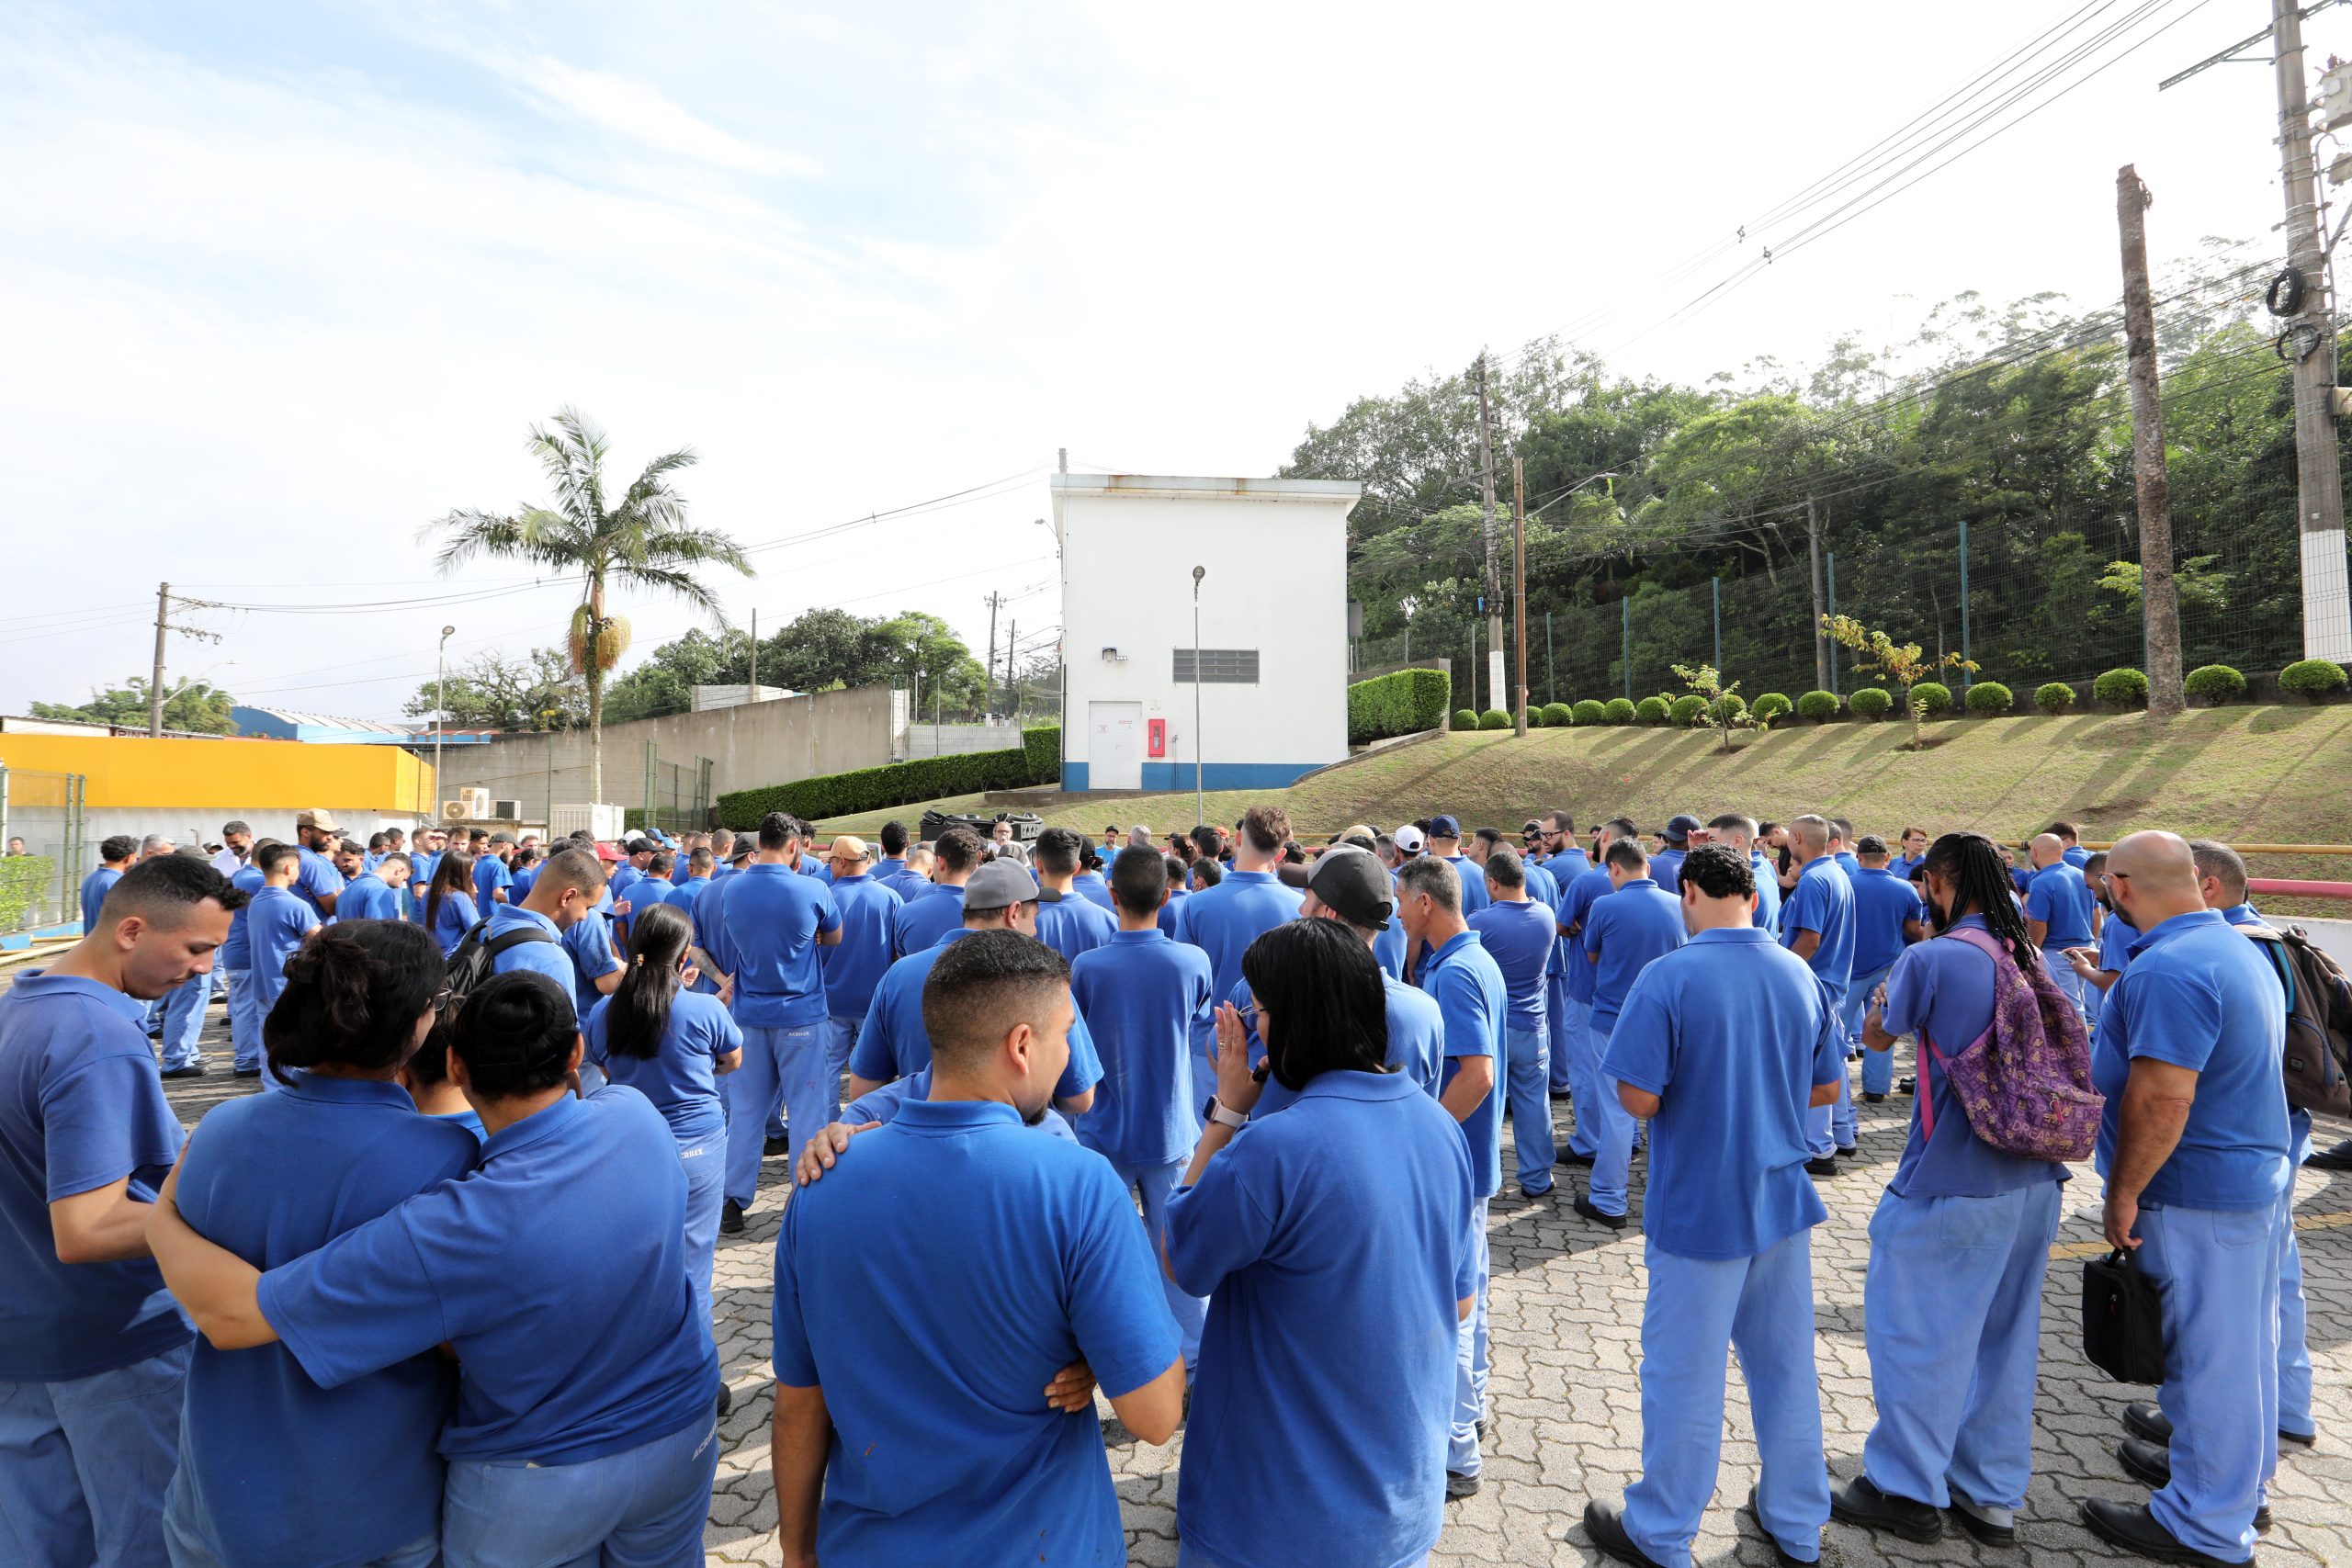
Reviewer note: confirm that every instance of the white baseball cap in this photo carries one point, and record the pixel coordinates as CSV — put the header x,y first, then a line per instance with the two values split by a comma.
x,y
1408,838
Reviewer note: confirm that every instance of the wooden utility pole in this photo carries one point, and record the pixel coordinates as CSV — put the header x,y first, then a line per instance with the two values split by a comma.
x,y
155,674
1012,641
1820,598
988,671
2159,598
1518,585
1487,531
752,691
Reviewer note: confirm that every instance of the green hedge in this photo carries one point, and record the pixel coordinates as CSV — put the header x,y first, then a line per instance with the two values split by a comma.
x,y
1651,710
1405,701
1043,746
1495,718
1688,709
1871,702
1771,705
1988,698
1932,695
1588,712
2214,684
872,789
2124,688
1731,704
2312,679
1465,718
669,818
1618,710
1817,705
2053,697
24,879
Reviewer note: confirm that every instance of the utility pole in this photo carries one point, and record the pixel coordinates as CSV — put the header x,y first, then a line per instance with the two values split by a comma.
x,y
752,693
155,675
1487,529
1519,587
988,671
1012,641
2159,601
1820,637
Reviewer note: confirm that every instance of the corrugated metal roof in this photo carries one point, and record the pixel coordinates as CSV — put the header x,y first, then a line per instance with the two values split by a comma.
x,y
331,721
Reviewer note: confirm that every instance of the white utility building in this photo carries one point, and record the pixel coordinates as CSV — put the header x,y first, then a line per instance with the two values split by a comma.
x,y
1272,700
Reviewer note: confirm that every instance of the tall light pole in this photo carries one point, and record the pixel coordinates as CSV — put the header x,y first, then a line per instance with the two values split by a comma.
x,y
1200,809
441,710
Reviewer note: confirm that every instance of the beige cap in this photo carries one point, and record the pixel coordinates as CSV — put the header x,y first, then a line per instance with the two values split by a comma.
x,y
848,846
322,821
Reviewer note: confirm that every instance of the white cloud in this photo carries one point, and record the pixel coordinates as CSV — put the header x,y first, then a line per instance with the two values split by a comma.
x,y
637,112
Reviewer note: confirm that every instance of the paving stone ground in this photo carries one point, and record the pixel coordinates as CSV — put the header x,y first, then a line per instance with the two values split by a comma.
x,y
1565,1417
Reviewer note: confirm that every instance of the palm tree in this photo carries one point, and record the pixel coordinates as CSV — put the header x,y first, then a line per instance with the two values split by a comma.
x,y
642,542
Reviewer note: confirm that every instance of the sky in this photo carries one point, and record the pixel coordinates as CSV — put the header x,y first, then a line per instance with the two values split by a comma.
x,y
286,283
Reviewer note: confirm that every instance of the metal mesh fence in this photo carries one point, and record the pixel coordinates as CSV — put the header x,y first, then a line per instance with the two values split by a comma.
x,y
40,887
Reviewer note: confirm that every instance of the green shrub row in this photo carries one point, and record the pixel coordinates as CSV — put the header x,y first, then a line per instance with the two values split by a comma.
x,y
23,880
1043,747
1405,701
2312,679
1037,759
2053,697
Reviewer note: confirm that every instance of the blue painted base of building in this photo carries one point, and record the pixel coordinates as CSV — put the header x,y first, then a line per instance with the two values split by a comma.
x,y
1161,778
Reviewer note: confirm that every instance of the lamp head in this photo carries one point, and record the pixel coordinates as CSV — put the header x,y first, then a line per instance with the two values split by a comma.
x,y
1199,572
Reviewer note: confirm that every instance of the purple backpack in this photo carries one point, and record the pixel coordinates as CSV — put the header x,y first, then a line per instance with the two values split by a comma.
x,y
2025,1083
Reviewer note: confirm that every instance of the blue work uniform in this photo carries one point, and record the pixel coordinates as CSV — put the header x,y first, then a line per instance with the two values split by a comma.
x,y
893,1043
453,917
92,1355
1091,887
1473,1007
1884,904
1472,877
1416,1040
761,929
1520,935
1577,898
883,1104
269,1454
317,882
1331,1326
1666,869
852,968
1624,934
520,887
1822,902
275,924
1222,921
2294,1343
2075,856
94,888
1071,924
584,1423
926,917
549,958
980,1469
1732,1034
1564,1016
2199,995
2063,903
492,877
236,957
368,897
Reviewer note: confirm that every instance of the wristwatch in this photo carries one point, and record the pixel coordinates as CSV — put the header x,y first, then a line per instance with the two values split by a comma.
x,y
1217,1114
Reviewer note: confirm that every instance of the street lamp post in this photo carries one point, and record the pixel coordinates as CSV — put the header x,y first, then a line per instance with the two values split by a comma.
x,y
1200,810
440,706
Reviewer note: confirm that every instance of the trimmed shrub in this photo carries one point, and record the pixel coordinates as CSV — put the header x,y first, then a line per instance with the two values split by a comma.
x,y
1871,702
2310,678
1042,744
1770,707
1405,701
1465,718
23,880
2214,684
1651,710
1932,695
1589,712
1987,699
1730,703
1819,706
1688,710
1617,710
1558,715
872,789
2124,688
2053,697
1494,718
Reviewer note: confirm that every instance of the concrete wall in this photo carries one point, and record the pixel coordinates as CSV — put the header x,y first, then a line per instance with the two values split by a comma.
x,y
755,744
916,740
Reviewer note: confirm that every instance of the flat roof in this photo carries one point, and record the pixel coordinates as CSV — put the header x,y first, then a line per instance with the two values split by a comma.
x,y
1184,485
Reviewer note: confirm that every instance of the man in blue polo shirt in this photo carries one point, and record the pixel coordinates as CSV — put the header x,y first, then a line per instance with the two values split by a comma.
x,y
2071,837
376,895
1473,1007
1521,935
1445,844
494,872
2193,1150
764,928
1564,861
1723,1044
892,867
1817,925
981,1467
1576,899
2059,912
1068,922
1888,917
1222,921
930,916
1637,924
854,967
1841,847
1739,832
319,883
93,1352
530,935
114,857
1666,866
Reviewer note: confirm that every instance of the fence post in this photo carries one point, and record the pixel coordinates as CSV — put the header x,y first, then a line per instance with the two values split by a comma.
x,y
1716,584
1965,655
1551,665
1833,615
1626,657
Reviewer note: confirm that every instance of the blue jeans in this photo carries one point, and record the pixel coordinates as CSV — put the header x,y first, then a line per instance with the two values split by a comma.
x,y
1951,1316
643,1508
1470,1358
1878,1067
2217,1273
84,1465
1151,1184
1698,1308
184,1008
705,1159
1528,1060
841,1039
787,1064
1613,1130
244,1019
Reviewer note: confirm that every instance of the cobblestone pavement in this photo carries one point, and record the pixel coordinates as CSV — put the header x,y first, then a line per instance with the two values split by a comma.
x,y
1566,1406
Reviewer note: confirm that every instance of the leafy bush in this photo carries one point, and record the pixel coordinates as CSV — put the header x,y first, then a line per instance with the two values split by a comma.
x,y
1494,718
1871,702
1558,715
1819,706
1933,696
1686,711
2310,678
871,789
1770,707
1405,701
1988,698
1465,718
1590,712
2124,688
2053,697
2215,683
1618,710
1730,705
1651,710
1042,744
23,880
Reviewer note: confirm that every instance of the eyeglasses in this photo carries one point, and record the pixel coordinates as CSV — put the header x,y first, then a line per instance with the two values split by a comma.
x,y
441,999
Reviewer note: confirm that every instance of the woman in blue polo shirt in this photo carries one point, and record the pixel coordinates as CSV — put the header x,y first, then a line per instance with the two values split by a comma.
x,y
266,1456
1327,1239
449,909
583,1426
667,1043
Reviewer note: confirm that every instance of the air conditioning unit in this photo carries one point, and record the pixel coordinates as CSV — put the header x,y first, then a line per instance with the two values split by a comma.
x,y
506,811
602,822
472,805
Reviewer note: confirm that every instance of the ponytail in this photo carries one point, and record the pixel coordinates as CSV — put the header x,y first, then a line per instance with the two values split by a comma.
x,y
352,995
638,1013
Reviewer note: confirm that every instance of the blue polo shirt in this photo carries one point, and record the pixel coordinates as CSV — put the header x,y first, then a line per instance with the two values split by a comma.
x,y
1416,1040
1541,885
1222,921
588,941
1389,947
764,931
2200,995
318,880
2075,856
277,921
519,885
491,876
1882,902
1848,863
1731,1033
1326,1242
1472,1004
1091,887
867,909
893,1043
2059,899
237,953
270,1453
680,1078
1145,999
455,917
1176,896
944,1449
1575,909
2116,936
573,1346
685,895
1666,869
1073,924
926,917
1823,901
368,897
81,1108
550,957
1625,931
1767,892
1472,877
1520,937
94,888
882,1105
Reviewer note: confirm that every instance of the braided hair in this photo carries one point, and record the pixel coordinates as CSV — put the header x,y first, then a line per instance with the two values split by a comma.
x,y
1970,865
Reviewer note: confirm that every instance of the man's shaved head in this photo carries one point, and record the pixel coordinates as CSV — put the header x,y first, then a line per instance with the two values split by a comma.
x,y
2047,849
2160,862
1810,835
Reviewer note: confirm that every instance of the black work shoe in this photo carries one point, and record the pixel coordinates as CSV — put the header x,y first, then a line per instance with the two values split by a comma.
x,y
1605,1523
1983,1528
1458,1486
726,1399
730,1218
1911,1085
245,1072
2144,1461
1559,1094
1825,1165
1849,1151
2147,1421
1569,1157
1532,1193
2338,1157
1870,1099
2301,1439
2132,1527
1860,1502
1780,1554
775,1146
1584,1205
193,1070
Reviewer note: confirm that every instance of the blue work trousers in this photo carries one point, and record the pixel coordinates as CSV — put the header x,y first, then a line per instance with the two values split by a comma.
x,y
193,1542
1528,1064
1828,1128
84,1465
183,1007
1470,1357
2294,1343
779,1065
1878,1067
1151,1184
1698,1308
643,1508
1582,1054
1613,1131
1951,1316
841,1039
1563,1021
705,1159
2217,1273
244,1020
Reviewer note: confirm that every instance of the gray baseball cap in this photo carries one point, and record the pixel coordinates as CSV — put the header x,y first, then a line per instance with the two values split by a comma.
x,y
997,884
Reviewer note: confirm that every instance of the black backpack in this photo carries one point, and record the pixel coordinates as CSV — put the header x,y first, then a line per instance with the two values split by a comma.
x,y
2319,1021
475,958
